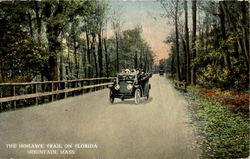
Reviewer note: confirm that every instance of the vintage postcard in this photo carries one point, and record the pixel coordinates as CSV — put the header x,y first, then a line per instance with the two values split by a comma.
x,y
124,79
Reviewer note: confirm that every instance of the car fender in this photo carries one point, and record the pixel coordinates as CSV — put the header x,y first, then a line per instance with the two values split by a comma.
x,y
110,85
138,86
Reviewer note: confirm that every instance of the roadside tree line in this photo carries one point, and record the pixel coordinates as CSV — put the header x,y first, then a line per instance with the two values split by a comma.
x,y
56,40
209,43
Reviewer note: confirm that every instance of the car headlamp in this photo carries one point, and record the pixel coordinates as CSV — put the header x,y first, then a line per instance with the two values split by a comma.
x,y
129,86
117,86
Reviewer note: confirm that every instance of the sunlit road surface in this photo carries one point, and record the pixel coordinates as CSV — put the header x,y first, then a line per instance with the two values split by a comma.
x,y
155,129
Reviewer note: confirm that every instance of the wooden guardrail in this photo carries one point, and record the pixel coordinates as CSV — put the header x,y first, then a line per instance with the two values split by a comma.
x,y
36,92
181,85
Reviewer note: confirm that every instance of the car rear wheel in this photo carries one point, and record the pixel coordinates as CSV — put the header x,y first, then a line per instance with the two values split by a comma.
x,y
147,97
111,97
149,87
137,96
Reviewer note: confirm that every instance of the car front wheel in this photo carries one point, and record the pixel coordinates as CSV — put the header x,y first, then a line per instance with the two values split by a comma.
x,y
137,96
111,97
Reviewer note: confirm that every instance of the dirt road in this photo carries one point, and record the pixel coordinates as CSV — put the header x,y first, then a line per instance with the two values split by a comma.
x,y
155,129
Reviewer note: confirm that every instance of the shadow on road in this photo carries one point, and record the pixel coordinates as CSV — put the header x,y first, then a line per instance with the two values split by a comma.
x,y
132,102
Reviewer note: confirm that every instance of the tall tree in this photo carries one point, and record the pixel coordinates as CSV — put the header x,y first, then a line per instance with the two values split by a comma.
x,y
172,11
116,25
88,50
233,25
188,72
177,42
53,31
193,71
245,28
106,57
101,20
93,51
224,37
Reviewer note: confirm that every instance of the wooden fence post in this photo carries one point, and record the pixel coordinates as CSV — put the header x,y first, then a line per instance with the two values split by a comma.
x,y
43,90
89,89
95,82
65,87
81,85
1,102
35,91
75,85
13,93
52,90
31,101
103,81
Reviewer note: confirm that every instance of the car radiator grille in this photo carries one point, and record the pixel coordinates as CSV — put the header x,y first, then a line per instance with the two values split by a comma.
x,y
123,87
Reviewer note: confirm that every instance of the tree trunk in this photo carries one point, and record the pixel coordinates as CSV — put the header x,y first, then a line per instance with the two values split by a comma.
x,y
207,32
53,31
187,50
61,67
106,57
177,42
53,68
184,68
88,54
69,69
38,21
193,71
224,36
30,25
117,53
141,53
100,54
94,53
1,72
83,59
245,28
75,55
135,60
146,62
233,27
62,85
172,62
39,28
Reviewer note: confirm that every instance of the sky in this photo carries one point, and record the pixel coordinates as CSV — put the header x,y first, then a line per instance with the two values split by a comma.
x,y
147,14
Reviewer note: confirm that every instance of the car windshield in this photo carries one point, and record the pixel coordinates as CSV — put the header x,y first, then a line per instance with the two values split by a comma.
x,y
126,77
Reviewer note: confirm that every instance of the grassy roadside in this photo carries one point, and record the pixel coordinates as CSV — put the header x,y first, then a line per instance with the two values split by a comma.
x,y
223,134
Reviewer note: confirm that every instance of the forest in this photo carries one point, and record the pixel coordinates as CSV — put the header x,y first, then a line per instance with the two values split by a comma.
x,y
47,42
60,40
209,43
210,53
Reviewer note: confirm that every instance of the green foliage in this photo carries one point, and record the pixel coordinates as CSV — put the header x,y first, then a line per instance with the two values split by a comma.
x,y
222,45
213,77
225,135
21,57
38,38
133,49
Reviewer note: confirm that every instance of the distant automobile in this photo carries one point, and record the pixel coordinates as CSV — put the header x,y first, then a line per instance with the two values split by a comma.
x,y
161,72
130,84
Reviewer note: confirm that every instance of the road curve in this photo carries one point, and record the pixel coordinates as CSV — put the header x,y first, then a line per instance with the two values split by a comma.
x,y
155,129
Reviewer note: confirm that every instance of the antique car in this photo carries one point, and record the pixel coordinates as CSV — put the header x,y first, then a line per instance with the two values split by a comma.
x,y
130,84
161,72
